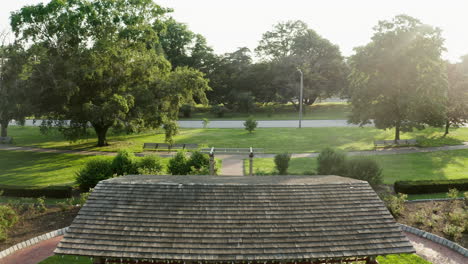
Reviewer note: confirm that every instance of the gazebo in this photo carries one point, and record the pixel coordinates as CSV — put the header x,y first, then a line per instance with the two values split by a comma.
x,y
233,220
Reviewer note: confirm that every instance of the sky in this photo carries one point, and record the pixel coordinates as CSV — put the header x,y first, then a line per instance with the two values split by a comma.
x,y
230,24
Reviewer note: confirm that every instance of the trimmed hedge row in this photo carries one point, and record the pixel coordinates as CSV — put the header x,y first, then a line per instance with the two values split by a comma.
x,y
430,186
30,191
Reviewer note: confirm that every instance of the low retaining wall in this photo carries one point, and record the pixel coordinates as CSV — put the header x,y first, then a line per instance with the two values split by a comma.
x,y
32,241
435,238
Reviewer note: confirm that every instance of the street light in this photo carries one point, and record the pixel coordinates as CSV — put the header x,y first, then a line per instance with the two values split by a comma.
x,y
300,97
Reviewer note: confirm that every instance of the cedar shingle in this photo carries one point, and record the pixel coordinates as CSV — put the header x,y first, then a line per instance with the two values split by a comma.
x,y
233,218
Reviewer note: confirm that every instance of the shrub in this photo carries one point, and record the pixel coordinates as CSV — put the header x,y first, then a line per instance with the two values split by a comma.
x,y
198,160
58,191
453,232
178,164
453,193
94,171
8,218
282,163
186,110
396,204
219,110
364,169
124,163
430,186
150,164
205,122
250,124
244,102
40,204
331,162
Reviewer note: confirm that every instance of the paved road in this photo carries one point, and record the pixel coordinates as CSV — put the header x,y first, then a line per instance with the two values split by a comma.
x,y
240,124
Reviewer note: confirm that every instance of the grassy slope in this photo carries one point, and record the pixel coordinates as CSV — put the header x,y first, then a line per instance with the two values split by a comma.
x,y
26,168
320,111
274,140
390,259
415,166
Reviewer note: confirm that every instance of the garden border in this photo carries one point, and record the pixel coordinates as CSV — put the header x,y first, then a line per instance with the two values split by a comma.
x,y
32,241
435,238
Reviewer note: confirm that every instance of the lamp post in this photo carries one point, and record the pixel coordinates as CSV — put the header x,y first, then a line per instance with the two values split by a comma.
x,y
300,97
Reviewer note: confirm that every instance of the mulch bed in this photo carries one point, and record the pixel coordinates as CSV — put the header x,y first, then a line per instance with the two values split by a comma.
x,y
35,224
435,217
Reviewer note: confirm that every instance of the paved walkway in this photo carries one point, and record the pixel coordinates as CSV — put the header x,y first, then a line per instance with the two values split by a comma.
x,y
435,253
33,254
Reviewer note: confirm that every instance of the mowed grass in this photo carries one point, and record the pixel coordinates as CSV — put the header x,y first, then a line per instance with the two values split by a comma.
x,y
390,259
415,166
273,140
319,111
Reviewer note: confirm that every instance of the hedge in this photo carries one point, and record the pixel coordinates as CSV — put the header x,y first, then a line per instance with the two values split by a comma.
x,y
57,191
430,186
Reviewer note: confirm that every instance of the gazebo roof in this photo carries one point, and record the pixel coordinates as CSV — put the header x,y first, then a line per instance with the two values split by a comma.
x,y
219,218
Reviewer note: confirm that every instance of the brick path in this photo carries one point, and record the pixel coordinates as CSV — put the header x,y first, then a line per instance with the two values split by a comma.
x,y
435,253
33,254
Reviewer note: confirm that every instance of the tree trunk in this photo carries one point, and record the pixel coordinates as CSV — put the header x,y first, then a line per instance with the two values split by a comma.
x,y
447,126
311,100
101,132
4,125
397,131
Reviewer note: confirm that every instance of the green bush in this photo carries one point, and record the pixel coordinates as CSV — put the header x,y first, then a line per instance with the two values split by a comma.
x,y
282,163
94,171
218,110
178,164
331,162
205,122
57,191
8,218
430,186
250,124
124,163
150,164
396,204
186,110
198,160
364,169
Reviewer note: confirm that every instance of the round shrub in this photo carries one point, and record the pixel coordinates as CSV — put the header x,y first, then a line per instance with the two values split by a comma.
x,y
8,218
282,163
178,165
124,163
364,169
218,110
331,162
250,124
199,160
94,171
150,165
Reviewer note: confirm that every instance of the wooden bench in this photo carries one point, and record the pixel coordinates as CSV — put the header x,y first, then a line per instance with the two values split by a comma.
x,y
232,150
168,147
400,142
6,140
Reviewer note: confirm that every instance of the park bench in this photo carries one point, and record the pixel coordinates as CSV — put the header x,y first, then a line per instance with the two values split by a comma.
x,y
6,140
168,147
400,142
232,150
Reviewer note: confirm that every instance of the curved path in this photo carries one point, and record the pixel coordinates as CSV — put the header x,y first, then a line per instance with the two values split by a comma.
x,y
435,253
33,254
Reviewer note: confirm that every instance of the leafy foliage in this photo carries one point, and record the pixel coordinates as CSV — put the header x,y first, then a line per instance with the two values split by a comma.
x,y
94,171
365,169
250,124
331,162
178,165
124,163
8,217
396,204
150,164
282,163
398,80
197,164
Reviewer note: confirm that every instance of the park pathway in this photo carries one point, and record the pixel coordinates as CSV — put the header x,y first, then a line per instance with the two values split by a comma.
x,y
234,164
435,253
33,254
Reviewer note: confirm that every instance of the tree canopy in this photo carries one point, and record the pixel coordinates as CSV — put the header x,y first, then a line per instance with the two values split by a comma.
x,y
457,105
99,62
398,80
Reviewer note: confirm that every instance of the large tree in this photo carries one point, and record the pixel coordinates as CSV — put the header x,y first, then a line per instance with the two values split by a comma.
x,y
99,62
14,94
292,45
457,105
398,80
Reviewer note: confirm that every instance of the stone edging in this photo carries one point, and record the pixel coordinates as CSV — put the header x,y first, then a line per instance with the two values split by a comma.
x,y
32,241
435,238
433,200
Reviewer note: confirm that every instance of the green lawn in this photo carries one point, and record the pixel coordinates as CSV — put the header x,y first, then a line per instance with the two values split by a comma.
x,y
430,196
319,111
415,166
273,140
390,259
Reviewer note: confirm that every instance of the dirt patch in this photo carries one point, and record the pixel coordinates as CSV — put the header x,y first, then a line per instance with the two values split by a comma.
x,y
447,219
35,224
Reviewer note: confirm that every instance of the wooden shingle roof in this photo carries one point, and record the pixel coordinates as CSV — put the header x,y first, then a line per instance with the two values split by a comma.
x,y
233,219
